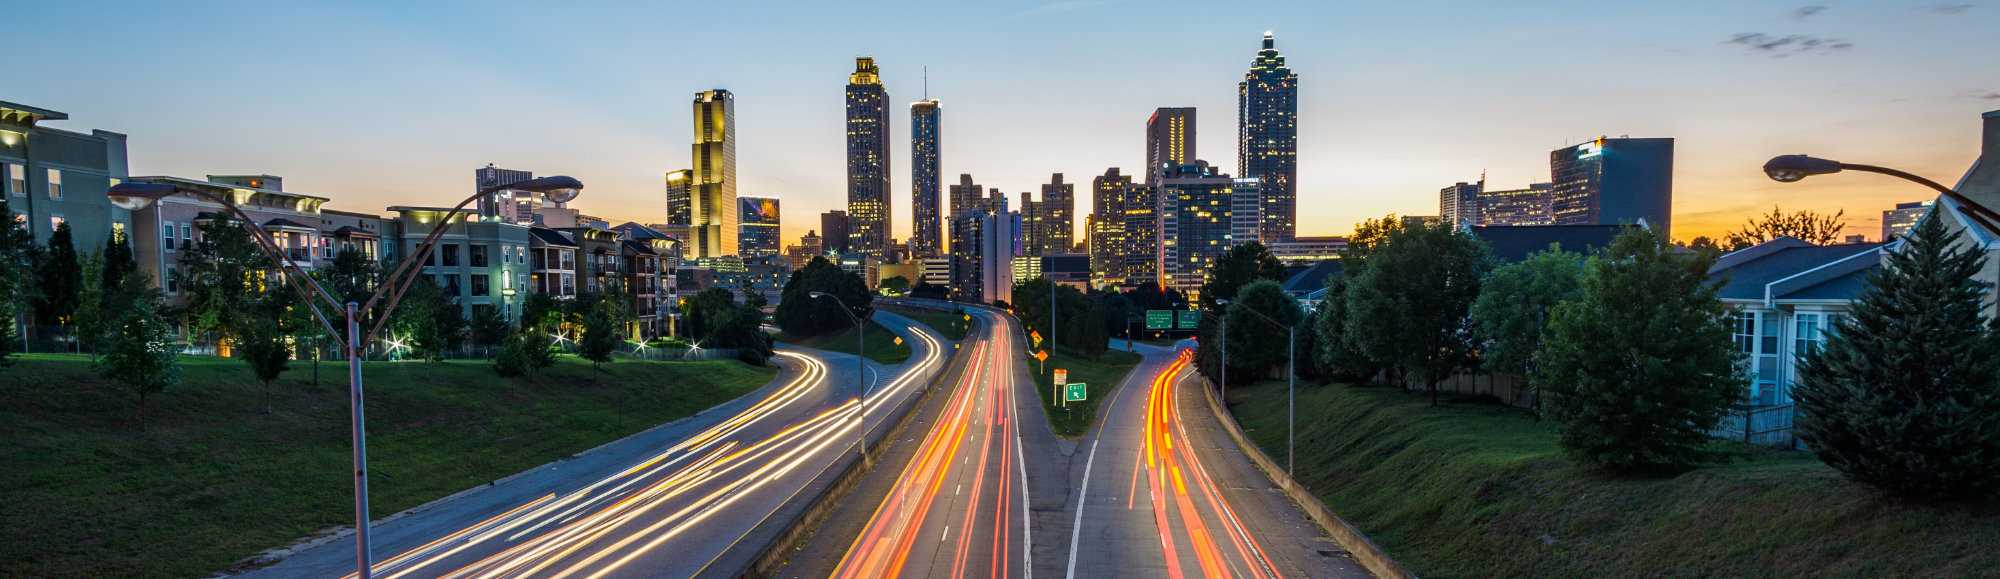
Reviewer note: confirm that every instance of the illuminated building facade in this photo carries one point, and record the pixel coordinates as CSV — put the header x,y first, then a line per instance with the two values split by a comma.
x,y
517,207
1268,139
833,229
1106,224
1613,181
1195,224
1897,222
1531,206
680,202
1057,230
1459,203
868,209
757,226
714,211
1169,141
926,182
1142,233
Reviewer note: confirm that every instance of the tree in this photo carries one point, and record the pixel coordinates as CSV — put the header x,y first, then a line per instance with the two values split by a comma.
x,y
1805,225
1512,311
426,319
90,316
141,355
1410,305
539,311
489,326
59,276
16,279
1704,243
264,348
219,275
1254,346
1338,355
118,260
1243,265
1642,365
513,358
1905,396
799,313
895,285
600,335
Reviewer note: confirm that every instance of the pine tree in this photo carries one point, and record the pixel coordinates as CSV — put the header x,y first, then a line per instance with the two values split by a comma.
x,y
1641,366
90,317
1906,394
16,280
59,276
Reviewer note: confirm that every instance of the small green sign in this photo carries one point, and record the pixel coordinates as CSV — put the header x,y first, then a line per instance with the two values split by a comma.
x,y
1075,392
1159,319
1190,318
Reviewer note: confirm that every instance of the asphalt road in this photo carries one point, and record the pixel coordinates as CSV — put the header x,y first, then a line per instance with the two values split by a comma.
x,y
1166,493
672,501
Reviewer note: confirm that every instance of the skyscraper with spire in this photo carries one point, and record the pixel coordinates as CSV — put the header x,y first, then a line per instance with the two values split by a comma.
x,y
868,217
1268,139
926,182
714,208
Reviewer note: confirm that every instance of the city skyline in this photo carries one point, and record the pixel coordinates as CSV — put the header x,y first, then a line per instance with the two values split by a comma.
x,y
1733,84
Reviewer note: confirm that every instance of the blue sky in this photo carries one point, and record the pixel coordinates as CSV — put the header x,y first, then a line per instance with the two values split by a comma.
x,y
381,103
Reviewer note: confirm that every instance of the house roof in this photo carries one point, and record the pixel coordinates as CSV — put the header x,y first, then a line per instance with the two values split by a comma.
x,y
349,230
551,237
1313,278
637,231
282,222
1512,243
639,248
1789,269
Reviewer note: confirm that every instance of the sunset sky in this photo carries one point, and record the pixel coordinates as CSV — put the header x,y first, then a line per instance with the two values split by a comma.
x,y
384,103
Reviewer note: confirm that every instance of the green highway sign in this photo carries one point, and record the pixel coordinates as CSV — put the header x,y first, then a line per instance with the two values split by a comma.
x,y
1190,318
1159,319
1075,392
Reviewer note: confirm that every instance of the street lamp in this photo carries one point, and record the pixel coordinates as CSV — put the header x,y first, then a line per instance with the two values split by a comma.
x,y
860,369
136,196
1791,168
1292,377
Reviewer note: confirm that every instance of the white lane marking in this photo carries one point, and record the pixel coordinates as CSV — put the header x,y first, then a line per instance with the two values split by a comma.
x,y
1076,528
947,533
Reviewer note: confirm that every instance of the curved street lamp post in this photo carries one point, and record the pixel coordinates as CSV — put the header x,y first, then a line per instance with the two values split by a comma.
x,y
1291,372
860,370
136,196
1792,168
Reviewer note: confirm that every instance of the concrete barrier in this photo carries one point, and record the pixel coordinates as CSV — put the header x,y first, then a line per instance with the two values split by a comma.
x,y
1365,551
772,555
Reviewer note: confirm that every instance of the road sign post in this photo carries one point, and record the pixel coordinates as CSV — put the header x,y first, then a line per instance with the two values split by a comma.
x,y
1077,392
1061,379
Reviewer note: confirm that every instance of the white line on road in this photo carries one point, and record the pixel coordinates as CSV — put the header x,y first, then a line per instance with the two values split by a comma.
x,y
1076,528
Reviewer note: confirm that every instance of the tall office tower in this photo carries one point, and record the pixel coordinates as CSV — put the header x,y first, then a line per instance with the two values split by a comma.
x,y
1897,222
1107,226
833,228
926,181
1058,213
1460,202
1246,213
1195,225
1033,218
1613,181
1169,141
966,195
1142,233
680,201
981,262
504,206
713,211
1516,207
997,202
757,226
1267,139
868,216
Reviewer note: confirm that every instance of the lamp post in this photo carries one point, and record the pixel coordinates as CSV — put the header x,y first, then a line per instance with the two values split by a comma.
x,y
136,196
1792,168
860,369
1292,377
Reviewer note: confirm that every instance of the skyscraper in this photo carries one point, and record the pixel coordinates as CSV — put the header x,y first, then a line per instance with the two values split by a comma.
x,y
981,261
757,226
680,201
1460,202
713,210
1195,224
1897,222
504,206
1142,233
1169,141
833,229
1267,105
1058,216
926,181
1516,207
1107,225
966,195
868,216
1613,181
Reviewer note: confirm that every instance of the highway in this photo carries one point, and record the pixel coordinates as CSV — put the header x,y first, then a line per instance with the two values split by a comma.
x,y
679,501
1166,493
960,509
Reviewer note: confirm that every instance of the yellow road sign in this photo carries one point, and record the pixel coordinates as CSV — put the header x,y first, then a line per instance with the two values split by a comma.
x,y
1041,356
899,340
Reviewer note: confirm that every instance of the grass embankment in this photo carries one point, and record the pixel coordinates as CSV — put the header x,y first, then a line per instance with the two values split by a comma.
x,y
951,326
1099,378
1474,490
215,480
882,346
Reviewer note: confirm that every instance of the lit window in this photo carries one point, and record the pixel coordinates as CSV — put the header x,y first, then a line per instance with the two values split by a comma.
x,y
55,183
55,221
17,180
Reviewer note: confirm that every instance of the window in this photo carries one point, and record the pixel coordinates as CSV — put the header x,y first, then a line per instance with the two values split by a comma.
x,y
173,279
187,235
167,237
478,255
55,221
479,286
55,183
1806,336
449,254
17,180
451,285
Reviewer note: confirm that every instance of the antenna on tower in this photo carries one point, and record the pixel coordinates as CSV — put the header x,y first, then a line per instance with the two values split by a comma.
x,y
927,82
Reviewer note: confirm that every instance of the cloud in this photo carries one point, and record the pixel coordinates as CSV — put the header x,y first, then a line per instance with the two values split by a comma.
x,y
1947,8
1051,8
1805,12
1783,46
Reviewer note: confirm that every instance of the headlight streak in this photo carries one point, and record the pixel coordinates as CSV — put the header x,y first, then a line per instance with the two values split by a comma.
x,y
1182,466
619,505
